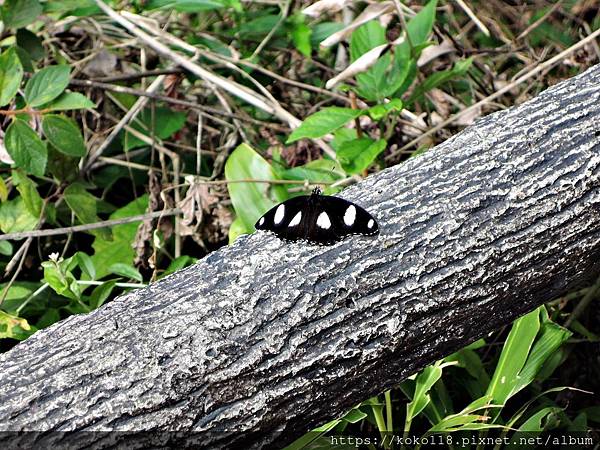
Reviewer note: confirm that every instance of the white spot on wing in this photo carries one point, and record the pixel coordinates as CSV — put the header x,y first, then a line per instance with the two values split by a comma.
x,y
279,214
350,216
370,223
261,221
296,220
323,221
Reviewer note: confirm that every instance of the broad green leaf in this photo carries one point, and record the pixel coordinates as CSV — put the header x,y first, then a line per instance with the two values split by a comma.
x,y
317,171
513,357
20,13
63,167
178,264
236,229
251,200
64,134
423,384
378,112
11,74
324,122
357,155
15,217
550,338
6,248
101,293
164,121
29,42
301,36
385,77
60,278
81,202
3,191
420,26
50,316
26,148
86,265
47,84
260,27
14,327
118,249
322,31
438,78
29,194
70,100
126,271
365,38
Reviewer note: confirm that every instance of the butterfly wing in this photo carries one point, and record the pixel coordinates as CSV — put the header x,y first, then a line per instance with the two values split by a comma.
x,y
279,218
349,218
320,219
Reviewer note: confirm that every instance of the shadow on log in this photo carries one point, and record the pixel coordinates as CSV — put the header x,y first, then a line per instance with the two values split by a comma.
x,y
261,341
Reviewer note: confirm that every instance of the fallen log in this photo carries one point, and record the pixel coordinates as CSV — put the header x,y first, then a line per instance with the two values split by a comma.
x,y
262,340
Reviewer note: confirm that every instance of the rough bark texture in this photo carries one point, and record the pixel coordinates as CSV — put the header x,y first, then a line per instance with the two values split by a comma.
x,y
261,341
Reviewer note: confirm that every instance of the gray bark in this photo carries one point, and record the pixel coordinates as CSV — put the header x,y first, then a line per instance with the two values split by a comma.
x,y
261,341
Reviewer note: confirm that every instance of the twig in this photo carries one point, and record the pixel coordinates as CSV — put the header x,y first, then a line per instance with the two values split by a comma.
x,y
230,86
497,94
128,117
88,226
473,17
137,75
541,20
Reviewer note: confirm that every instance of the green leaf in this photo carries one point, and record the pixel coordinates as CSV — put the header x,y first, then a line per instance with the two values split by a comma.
x,y
438,78
356,155
178,264
3,191
49,317
424,382
365,38
83,204
15,217
20,13
63,133
378,112
236,229
549,340
385,77
251,200
108,251
317,171
11,74
101,293
165,122
86,265
126,271
323,122
70,100
420,26
6,248
14,327
513,357
29,42
28,190
58,275
47,84
26,148
301,36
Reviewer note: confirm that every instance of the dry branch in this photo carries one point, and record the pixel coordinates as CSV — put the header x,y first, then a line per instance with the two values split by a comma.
x,y
261,341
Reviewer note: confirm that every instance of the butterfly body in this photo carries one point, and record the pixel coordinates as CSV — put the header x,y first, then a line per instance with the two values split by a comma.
x,y
317,218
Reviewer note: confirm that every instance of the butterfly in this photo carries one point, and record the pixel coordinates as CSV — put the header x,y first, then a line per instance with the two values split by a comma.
x,y
317,218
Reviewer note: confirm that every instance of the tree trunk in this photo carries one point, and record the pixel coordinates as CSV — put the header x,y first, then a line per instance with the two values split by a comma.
x,y
261,341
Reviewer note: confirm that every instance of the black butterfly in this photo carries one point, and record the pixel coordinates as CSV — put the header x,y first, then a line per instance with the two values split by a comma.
x,y
317,218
